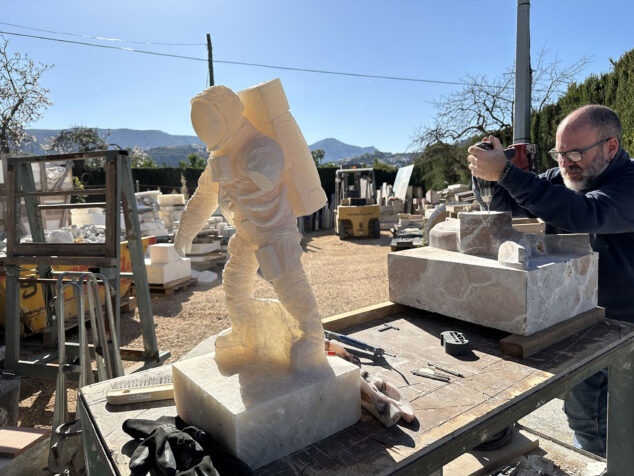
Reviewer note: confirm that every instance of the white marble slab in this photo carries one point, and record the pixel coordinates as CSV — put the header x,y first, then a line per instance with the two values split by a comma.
x,y
263,414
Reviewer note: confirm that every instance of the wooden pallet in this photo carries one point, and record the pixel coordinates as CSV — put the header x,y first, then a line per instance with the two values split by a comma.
x,y
167,289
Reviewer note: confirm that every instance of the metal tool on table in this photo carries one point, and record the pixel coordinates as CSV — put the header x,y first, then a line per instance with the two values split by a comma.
x,y
429,373
378,352
445,369
387,326
141,389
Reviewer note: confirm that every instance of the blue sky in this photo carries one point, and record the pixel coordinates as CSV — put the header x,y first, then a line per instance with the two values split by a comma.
x,y
431,40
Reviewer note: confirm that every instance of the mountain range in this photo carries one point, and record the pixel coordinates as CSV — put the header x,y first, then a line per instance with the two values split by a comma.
x,y
169,149
126,137
335,149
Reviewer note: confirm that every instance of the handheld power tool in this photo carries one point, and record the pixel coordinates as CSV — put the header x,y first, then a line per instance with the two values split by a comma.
x,y
523,156
378,352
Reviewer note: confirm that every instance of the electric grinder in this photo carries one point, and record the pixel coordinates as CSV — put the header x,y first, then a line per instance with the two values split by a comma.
x,y
523,156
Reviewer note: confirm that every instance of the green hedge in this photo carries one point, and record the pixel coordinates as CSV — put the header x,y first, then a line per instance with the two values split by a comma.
x,y
169,179
614,89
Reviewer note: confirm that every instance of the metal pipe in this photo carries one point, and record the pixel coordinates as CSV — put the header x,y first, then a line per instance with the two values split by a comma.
x,y
523,76
114,331
97,327
85,375
113,362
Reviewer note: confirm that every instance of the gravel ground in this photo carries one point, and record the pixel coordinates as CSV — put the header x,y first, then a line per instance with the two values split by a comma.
x,y
345,275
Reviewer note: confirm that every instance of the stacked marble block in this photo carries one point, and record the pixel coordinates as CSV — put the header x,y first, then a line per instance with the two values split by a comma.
x,y
171,208
165,266
148,213
209,242
479,269
266,413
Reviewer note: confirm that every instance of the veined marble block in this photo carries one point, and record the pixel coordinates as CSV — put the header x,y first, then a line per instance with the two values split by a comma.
x,y
492,275
265,413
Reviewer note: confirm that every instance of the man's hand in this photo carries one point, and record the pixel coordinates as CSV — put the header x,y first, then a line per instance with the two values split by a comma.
x,y
487,164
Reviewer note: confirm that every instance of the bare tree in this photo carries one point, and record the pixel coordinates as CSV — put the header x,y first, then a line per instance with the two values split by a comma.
x,y
76,139
483,105
22,98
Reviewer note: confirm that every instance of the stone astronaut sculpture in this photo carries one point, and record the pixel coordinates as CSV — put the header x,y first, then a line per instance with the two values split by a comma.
x,y
245,176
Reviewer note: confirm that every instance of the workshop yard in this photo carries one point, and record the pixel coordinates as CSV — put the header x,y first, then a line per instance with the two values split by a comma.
x,y
345,275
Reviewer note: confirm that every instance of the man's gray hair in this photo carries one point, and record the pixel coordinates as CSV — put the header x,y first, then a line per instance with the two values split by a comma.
x,y
601,118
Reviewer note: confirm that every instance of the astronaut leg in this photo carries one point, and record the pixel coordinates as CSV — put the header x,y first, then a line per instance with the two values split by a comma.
x,y
235,346
281,265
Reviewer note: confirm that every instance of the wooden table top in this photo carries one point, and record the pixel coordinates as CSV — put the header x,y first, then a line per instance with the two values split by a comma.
x,y
491,380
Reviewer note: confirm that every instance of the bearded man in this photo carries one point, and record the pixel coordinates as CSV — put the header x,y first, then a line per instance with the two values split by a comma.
x,y
591,191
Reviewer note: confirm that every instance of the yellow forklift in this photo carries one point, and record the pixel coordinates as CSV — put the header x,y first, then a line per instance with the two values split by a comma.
x,y
356,210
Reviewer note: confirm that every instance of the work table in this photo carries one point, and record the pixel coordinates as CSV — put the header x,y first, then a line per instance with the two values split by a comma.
x,y
451,417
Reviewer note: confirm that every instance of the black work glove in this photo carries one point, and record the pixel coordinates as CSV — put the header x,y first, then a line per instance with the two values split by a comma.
x,y
172,448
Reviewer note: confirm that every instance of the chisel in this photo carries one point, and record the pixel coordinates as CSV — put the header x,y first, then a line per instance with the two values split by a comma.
x,y
428,373
445,369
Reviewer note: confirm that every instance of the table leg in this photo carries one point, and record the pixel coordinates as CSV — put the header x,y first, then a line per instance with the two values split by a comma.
x,y
620,444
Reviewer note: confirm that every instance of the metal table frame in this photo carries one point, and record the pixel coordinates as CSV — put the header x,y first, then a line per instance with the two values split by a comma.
x,y
618,357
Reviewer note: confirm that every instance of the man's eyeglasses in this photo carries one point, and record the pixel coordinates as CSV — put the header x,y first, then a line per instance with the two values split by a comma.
x,y
574,155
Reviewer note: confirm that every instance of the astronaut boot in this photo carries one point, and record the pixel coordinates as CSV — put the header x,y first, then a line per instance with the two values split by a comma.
x,y
308,353
234,350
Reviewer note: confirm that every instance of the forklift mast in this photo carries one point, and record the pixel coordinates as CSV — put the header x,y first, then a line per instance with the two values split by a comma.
x,y
354,192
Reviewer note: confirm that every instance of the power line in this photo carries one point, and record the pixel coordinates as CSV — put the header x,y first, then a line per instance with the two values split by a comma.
x,y
83,43
120,40
258,65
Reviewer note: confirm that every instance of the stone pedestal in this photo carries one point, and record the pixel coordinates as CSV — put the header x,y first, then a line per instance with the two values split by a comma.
x,y
263,414
480,270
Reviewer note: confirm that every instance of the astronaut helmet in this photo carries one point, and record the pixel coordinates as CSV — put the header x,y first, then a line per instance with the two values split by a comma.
x,y
216,113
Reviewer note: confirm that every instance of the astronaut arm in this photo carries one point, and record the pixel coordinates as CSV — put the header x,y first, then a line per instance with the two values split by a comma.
x,y
265,165
198,210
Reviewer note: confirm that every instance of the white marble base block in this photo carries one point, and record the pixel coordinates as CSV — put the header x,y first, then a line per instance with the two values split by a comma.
x,y
263,414
163,273
163,253
479,269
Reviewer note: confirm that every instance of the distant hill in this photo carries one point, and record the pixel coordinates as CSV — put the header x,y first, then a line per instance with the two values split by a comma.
x,y
171,155
122,137
168,149
335,149
367,159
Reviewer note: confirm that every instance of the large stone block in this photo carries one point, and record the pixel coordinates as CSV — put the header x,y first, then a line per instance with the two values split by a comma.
x,y
264,413
163,253
163,273
171,199
480,270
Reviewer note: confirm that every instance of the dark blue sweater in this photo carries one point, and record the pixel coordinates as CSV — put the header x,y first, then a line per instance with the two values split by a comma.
x,y
605,211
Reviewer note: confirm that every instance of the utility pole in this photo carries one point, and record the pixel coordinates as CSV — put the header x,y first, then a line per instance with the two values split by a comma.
x,y
523,76
210,59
